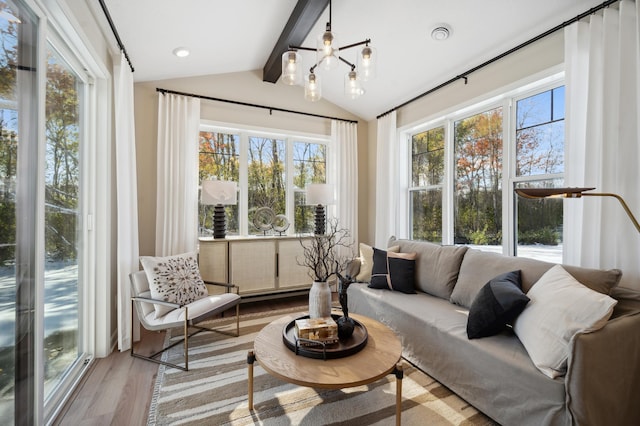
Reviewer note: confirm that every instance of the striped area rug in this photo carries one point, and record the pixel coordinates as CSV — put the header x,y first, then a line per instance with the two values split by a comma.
x,y
214,391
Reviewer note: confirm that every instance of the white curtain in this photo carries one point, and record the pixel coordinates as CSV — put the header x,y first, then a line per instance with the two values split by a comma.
x,y
345,139
126,197
602,140
387,180
177,174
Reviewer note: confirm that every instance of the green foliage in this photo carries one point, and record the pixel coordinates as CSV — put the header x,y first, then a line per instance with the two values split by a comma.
x,y
546,236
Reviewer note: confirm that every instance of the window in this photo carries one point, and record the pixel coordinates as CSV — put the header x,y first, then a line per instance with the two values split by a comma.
x,y
309,166
457,180
61,221
427,174
266,177
478,179
271,170
219,159
540,163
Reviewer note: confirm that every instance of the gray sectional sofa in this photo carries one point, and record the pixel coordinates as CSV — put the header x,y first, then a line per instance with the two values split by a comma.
x,y
495,374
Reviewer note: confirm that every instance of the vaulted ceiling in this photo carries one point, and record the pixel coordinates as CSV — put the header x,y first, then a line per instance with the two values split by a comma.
x,y
235,36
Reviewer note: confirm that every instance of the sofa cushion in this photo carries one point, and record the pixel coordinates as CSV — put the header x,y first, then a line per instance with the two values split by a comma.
x,y
174,279
497,304
560,307
436,266
366,262
393,271
478,267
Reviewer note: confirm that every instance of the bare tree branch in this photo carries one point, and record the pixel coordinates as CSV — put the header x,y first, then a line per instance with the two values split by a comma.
x,y
320,252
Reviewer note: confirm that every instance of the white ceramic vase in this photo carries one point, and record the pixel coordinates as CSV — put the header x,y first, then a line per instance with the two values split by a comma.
x,y
319,300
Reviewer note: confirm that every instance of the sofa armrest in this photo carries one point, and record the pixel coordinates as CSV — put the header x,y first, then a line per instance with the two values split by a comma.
x,y
603,374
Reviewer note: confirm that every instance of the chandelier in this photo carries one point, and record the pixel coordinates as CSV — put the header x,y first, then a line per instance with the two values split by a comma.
x,y
328,58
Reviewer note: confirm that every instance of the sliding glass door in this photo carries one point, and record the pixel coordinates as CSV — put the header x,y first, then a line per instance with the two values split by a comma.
x,y
62,222
18,211
41,211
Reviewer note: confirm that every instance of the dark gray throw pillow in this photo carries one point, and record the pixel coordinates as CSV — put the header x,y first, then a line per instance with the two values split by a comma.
x,y
393,271
497,304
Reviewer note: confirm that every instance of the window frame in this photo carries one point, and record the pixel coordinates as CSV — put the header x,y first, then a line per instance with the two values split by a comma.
x,y
506,98
245,132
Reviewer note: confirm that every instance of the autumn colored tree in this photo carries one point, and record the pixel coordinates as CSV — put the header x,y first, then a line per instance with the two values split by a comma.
x,y
478,147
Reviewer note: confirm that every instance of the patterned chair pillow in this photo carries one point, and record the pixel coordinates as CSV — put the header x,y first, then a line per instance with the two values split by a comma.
x,y
174,279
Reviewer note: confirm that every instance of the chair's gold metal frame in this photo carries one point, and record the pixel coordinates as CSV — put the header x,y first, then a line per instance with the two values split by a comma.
x,y
186,324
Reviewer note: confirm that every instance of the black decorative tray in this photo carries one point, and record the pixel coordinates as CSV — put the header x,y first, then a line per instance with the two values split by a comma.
x,y
340,349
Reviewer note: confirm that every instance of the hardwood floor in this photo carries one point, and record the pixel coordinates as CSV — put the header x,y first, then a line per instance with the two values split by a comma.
x,y
118,389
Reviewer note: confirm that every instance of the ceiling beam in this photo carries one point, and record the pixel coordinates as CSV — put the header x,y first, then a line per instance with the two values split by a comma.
x,y
302,19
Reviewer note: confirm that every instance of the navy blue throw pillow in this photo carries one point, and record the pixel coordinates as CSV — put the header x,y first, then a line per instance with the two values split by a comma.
x,y
497,304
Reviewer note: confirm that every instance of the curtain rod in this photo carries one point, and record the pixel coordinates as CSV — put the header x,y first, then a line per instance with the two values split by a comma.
x,y
115,33
464,75
271,109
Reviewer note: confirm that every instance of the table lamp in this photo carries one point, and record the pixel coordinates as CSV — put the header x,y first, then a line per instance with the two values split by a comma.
x,y
574,193
320,194
219,193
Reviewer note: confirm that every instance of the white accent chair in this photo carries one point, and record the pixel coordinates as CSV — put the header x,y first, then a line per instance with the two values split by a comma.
x,y
181,316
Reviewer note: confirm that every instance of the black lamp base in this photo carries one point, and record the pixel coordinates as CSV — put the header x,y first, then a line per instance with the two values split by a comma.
x,y
320,220
219,219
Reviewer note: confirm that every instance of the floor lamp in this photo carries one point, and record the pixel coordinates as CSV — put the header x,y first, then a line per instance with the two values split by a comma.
x,y
319,195
574,193
219,193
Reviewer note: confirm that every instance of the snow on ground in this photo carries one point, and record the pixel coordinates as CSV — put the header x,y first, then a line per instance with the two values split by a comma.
x,y
60,300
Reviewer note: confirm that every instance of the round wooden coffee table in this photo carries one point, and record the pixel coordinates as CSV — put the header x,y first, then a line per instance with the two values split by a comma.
x,y
380,357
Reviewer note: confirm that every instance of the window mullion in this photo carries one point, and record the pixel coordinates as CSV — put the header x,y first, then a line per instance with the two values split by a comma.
x,y
243,207
447,190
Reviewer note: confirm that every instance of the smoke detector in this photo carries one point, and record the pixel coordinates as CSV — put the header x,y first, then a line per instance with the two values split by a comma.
x,y
441,33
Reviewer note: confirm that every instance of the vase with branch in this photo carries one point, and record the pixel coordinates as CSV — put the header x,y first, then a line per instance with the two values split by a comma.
x,y
321,254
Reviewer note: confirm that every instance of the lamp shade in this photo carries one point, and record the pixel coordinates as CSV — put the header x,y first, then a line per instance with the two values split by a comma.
x,y
312,88
320,193
327,50
291,68
352,85
367,59
218,192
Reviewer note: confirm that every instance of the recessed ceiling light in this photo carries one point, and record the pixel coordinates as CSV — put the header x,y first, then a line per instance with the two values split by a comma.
x,y
440,33
181,52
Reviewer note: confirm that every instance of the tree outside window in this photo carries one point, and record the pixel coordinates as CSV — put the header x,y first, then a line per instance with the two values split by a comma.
x,y
540,163
480,172
219,159
271,171
478,182
427,175
309,166
266,186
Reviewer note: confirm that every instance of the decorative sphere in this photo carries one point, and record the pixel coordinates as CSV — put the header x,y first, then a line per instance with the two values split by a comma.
x,y
345,327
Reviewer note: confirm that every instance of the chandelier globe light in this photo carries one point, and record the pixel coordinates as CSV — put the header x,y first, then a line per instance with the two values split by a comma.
x,y
312,88
291,71
327,51
328,58
353,85
367,63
